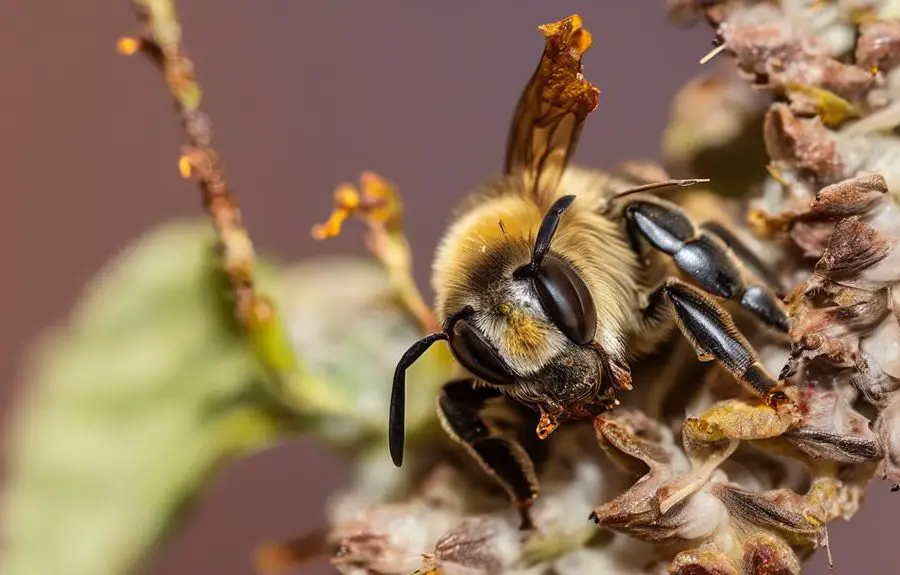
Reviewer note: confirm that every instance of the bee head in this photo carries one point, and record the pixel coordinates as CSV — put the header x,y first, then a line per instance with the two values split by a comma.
x,y
564,299
564,296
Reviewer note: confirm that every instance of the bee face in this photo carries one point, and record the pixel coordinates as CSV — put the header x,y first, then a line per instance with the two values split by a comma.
x,y
517,323
512,337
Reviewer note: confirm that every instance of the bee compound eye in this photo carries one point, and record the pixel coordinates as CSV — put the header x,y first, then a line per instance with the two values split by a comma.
x,y
474,352
566,300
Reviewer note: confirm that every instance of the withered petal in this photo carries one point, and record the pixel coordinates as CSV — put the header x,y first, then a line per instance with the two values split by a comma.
x,y
739,419
854,247
820,443
779,509
832,429
627,435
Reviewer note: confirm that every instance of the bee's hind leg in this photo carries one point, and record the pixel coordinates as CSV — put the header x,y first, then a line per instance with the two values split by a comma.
x,y
459,406
746,256
710,256
711,330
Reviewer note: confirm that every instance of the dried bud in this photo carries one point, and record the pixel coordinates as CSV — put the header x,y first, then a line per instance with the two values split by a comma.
x,y
478,546
758,35
389,538
811,227
852,197
878,46
879,374
802,144
887,427
696,562
859,256
768,555
833,430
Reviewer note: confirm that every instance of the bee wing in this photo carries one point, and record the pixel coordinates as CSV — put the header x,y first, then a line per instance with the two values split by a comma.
x,y
551,111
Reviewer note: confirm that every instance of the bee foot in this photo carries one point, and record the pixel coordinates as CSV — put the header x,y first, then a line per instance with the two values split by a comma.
x,y
526,525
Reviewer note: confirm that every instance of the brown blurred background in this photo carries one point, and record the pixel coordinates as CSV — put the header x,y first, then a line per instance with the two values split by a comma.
x,y
303,95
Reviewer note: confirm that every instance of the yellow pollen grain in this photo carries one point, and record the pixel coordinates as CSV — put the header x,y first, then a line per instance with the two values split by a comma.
x,y
128,46
184,166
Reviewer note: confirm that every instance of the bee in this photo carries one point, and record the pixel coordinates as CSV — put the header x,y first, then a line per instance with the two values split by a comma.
x,y
553,278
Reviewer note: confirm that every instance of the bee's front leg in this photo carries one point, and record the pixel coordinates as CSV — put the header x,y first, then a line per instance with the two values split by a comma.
x,y
710,256
459,404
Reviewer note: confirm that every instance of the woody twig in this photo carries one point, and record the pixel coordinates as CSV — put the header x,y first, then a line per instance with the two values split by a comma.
x,y
160,41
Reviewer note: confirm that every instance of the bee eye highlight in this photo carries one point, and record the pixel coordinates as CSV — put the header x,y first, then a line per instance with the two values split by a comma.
x,y
477,355
566,300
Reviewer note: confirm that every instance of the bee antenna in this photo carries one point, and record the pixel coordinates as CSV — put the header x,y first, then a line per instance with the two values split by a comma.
x,y
661,185
545,235
397,417
397,421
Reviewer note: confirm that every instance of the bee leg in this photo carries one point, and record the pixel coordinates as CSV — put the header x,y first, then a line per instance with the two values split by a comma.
x,y
503,459
711,330
704,257
746,256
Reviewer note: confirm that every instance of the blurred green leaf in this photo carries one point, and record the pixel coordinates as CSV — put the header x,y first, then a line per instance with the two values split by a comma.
x,y
344,317
128,409
149,388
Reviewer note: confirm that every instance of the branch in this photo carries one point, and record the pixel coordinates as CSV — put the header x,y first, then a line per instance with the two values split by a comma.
x,y
160,41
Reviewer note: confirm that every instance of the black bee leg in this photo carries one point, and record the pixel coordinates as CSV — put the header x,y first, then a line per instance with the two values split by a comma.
x,y
704,257
746,256
503,459
711,330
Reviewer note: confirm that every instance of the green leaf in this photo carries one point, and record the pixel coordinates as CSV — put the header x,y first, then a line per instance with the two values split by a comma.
x,y
344,316
149,388
130,406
